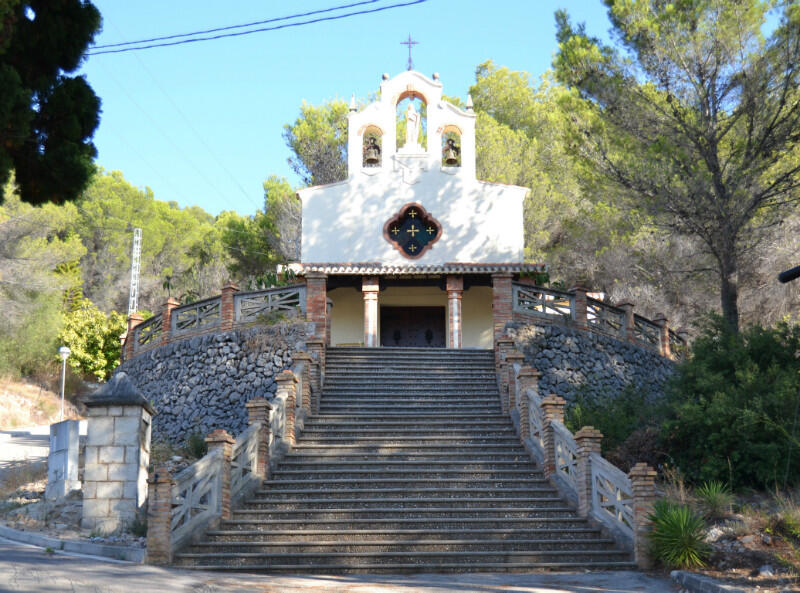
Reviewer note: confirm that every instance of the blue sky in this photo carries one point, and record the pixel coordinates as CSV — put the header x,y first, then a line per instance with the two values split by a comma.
x,y
201,124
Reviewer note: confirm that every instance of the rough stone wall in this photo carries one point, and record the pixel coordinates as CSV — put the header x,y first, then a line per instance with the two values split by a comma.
x,y
571,360
202,383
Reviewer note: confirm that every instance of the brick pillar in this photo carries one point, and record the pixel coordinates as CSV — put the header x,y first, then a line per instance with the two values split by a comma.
x,y
134,319
159,517
317,303
316,349
528,379
501,303
305,395
455,288
663,345
579,314
370,288
553,411
502,347
287,383
328,311
166,319
258,410
643,482
220,439
630,324
588,439
513,357
227,308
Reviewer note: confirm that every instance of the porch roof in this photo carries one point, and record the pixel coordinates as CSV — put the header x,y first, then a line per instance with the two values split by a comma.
x,y
379,269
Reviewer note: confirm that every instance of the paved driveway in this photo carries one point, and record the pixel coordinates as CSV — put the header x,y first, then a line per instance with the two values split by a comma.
x,y
25,569
22,446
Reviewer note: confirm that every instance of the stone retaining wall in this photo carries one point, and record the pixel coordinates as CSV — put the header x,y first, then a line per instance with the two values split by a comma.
x,y
572,360
201,384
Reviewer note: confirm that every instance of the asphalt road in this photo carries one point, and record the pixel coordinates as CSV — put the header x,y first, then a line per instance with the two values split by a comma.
x,y
23,446
26,569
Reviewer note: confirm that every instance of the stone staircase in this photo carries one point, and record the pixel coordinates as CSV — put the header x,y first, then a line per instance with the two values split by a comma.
x,y
410,466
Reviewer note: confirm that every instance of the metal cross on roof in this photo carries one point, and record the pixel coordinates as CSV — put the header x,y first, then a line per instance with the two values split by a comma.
x,y
409,43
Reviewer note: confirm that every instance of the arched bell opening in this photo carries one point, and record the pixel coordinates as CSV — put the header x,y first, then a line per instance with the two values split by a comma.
x,y
412,122
451,146
372,147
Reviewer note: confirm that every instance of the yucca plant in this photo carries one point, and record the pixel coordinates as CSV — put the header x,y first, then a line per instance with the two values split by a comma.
x,y
714,499
678,536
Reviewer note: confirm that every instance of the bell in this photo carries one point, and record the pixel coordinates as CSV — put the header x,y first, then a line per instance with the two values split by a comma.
x,y
371,156
450,158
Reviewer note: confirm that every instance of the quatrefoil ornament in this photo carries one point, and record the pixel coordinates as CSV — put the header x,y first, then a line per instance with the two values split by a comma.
x,y
412,231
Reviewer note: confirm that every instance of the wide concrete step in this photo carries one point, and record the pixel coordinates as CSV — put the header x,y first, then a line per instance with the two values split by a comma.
x,y
408,410
378,474
425,447
377,396
341,439
390,493
253,522
413,458
405,513
482,482
429,422
416,465
399,502
358,374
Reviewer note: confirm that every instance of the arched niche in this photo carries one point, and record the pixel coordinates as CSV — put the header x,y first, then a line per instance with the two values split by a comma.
x,y
411,111
371,146
451,146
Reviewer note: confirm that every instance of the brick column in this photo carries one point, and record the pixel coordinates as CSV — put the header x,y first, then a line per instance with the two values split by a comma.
x,y
588,439
287,383
316,349
317,303
134,319
630,324
258,410
227,308
553,411
528,379
501,303
512,358
643,481
305,395
455,288
502,347
166,319
220,439
370,288
663,346
328,312
579,314
159,517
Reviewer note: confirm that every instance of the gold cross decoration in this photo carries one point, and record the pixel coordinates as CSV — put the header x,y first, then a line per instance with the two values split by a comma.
x,y
412,248
431,230
412,213
395,230
413,230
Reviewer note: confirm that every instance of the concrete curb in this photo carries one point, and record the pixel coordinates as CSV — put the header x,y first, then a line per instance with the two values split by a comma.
x,y
702,584
128,554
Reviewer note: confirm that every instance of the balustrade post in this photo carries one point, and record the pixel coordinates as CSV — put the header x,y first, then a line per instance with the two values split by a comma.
x,y
588,439
159,517
528,378
502,346
663,336
220,439
134,319
579,312
553,411
166,319
258,410
643,483
328,310
316,349
305,395
227,306
630,324
287,383
512,357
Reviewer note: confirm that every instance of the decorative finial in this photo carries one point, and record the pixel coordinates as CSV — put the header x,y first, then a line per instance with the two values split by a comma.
x,y
436,76
385,76
409,43
353,103
469,103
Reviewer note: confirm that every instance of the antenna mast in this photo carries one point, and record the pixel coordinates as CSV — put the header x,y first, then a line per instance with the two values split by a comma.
x,y
136,253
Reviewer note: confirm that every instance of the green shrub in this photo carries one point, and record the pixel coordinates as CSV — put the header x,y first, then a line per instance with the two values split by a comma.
x,y
714,499
196,446
733,407
677,537
93,338
138,527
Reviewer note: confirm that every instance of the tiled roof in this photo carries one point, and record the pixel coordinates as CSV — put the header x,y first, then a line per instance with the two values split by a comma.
x,y
379,269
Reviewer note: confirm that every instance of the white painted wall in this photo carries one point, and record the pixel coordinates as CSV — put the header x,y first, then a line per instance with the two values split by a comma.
x,y
478,322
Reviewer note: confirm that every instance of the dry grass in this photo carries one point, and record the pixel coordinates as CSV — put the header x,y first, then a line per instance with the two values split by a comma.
x,y
25,404
23,475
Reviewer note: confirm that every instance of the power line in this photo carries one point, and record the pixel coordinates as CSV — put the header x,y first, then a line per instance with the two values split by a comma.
x,y
261,30
230,27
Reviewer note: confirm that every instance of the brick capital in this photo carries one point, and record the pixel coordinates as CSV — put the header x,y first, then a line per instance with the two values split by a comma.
x,y
286,377
220,436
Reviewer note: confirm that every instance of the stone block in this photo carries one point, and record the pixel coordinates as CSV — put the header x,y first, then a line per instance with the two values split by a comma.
x,y
122,472
133,411
89,490
95,472
126,430
97,412
95,507
90,455
111,455
109,490
100,431
123,508
130,491
132,454
115,410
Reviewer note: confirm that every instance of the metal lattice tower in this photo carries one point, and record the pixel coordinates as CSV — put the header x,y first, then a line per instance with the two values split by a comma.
x,y
136,253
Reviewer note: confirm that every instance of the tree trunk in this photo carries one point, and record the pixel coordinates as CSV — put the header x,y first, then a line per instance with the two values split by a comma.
x,y
729,294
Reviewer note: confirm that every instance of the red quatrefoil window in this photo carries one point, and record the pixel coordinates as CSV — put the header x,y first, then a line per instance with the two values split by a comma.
x,y
412,231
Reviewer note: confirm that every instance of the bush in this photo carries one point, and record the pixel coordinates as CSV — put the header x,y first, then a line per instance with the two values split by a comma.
x,y
196,446
733,407
677,537
714,500
93,338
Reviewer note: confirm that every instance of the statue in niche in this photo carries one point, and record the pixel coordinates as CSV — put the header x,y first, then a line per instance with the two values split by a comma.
x,y
372,153
412,126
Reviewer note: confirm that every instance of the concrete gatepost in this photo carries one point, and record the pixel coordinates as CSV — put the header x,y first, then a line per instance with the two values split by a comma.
x,y
159,517
166,319
305,380
581,319
528,379
227,307
258,410
62,461
117,455
630,321
134,319
287,383
553,411
514,357
588,439
663,337
643,483
220,439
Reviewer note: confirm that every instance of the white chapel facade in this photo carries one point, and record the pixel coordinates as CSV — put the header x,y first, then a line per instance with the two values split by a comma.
x,y
411,249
